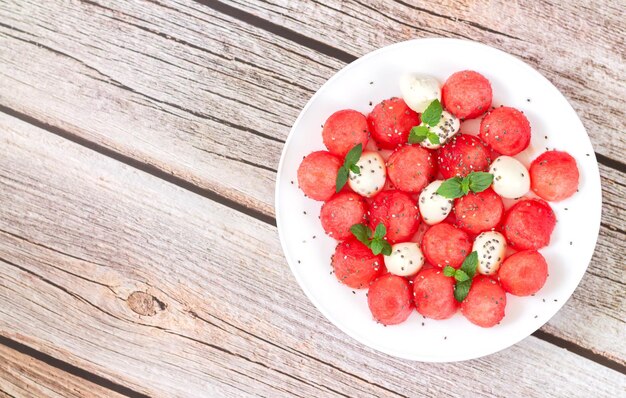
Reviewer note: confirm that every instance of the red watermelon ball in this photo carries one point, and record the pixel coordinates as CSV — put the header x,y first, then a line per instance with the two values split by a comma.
x,y
317,175
389,299
528,224
506,130
554,176
466,94
344,130
523,273
391,122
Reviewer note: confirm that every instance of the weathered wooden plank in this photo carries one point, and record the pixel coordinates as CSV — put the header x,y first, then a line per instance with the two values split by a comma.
x,y
580,48
25,376
128,277
140,103
216,100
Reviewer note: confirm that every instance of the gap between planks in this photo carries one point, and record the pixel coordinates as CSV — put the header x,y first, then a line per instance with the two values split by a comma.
x,y
137,164
213,196
69,368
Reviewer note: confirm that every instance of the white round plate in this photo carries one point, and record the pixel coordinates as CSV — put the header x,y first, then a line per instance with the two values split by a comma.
x,y
364,83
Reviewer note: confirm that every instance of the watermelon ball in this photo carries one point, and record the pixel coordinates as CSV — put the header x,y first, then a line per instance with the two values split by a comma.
x,y
355,265
391,121
528,224
398,213
443,244
478,212
554,175
523,273
485,302
506,130
341,212
462,155
389,299
317,175
411,168
433,293
344,130
466,94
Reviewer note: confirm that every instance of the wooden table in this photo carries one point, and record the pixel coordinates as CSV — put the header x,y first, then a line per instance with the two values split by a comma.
x,y
139,142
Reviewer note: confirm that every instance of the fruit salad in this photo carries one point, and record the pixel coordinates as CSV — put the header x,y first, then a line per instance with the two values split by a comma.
x,y
417,205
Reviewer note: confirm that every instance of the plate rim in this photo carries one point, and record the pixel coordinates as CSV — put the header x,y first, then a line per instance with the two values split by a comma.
x,y
360,338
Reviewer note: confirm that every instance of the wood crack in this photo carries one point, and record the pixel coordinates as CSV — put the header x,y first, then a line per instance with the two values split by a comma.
x,y
21,238
591,272
259,166
613,228
63,289
290,350
407,24
454,19
234,354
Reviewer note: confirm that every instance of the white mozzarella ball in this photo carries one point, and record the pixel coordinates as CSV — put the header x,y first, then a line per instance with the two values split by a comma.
x,y
447,127
373,175
491,248
511,179
434,208
405,259
418,91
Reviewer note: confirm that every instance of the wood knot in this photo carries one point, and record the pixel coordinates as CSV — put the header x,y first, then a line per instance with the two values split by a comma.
x,y
144,303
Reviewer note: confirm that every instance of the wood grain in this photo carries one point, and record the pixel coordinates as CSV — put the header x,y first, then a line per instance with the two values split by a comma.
x,y
82,233
174,69
579,46
24,376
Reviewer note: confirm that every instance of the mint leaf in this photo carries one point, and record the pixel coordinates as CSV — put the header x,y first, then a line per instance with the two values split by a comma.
x,y
361,232
386,248
465,183
418,134
353,156
460,276
479,181
380,231
463,276
433,138
448,271
470,263
432,114
377,246
462,289
451,188
456,187
342,178
349,164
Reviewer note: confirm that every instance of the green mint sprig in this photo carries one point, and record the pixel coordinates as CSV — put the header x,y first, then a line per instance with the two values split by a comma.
x,y
457,187
463,276
349,164
430,118
376,243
